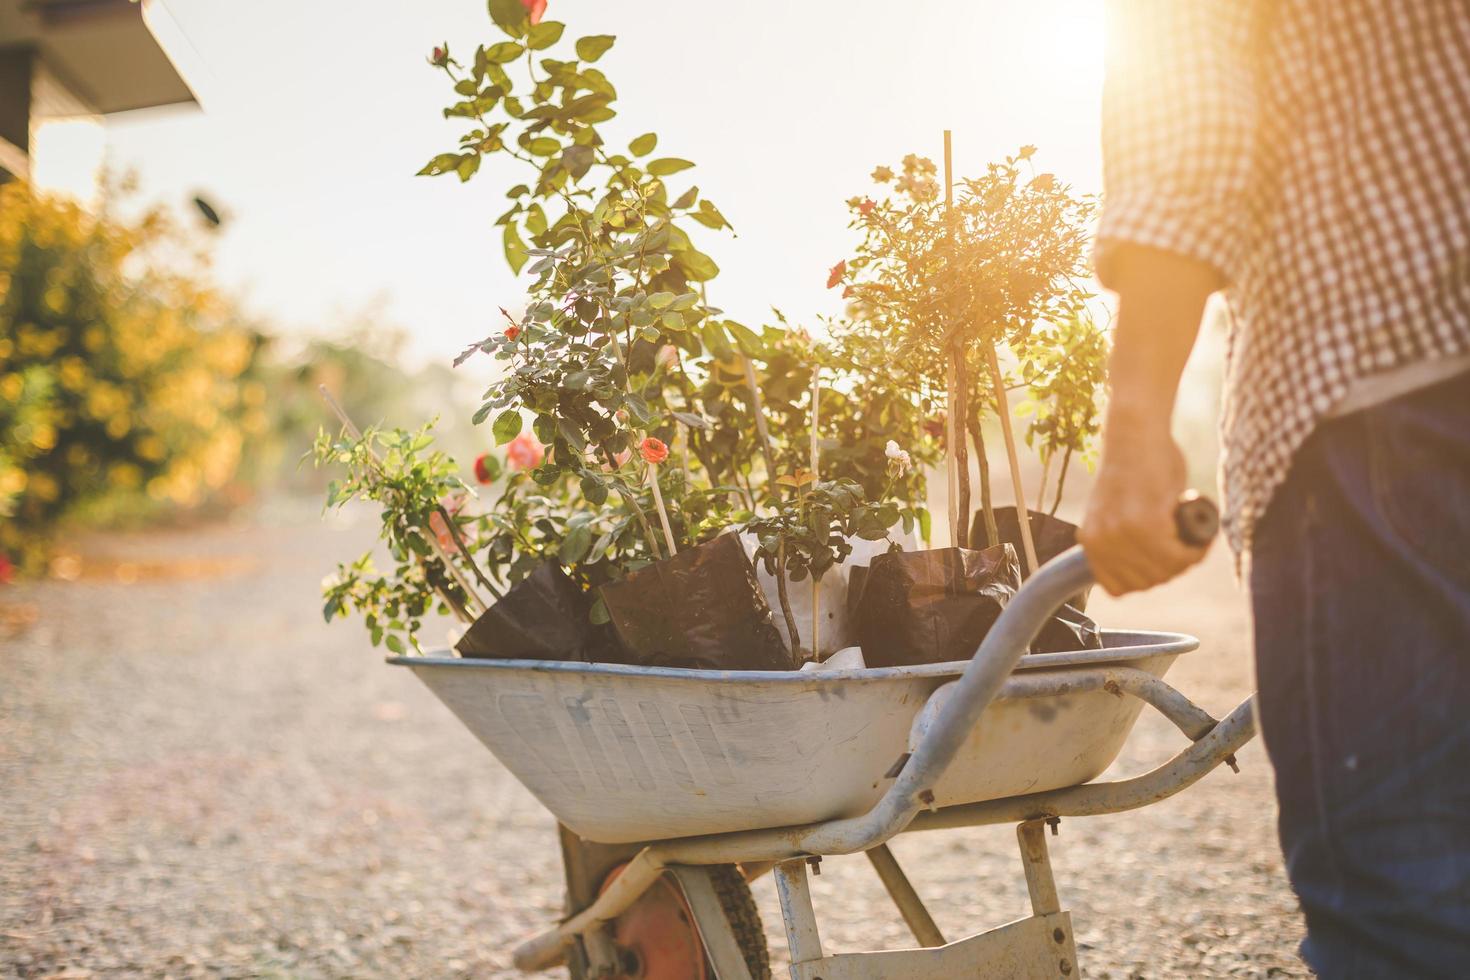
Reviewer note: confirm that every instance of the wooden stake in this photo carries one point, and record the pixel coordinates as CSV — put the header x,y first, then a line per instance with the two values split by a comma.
x,y
1003,409
663,515
951,387
816,459
760,424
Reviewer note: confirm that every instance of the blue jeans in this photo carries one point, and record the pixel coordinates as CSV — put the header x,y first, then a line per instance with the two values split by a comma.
x,y
1360,582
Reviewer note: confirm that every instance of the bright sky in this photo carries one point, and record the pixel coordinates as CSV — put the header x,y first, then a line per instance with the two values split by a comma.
x,y
317,115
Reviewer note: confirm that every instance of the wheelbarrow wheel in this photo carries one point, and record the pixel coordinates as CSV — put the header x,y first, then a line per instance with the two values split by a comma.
x,y
656,939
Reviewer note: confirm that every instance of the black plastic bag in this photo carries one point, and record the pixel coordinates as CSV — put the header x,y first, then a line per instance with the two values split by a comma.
x,y
702,608
929,607
1068,630
545,616
922,607
1050,535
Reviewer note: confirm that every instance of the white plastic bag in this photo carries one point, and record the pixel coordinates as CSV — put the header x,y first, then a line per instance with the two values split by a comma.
x,y
833,631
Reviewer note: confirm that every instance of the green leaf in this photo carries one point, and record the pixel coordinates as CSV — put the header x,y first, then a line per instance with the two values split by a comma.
x,y
643,145
575,545
467,166
664,166
696,265
536,220
594,490
599,614
395,644
545,34
442,164
686,200
507,426
515,248
543,146
510,16
693,421
594,47
710,216
505,51
577,160
481,413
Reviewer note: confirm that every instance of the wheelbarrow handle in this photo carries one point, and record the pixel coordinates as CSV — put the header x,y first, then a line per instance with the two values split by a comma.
x,y
1197,520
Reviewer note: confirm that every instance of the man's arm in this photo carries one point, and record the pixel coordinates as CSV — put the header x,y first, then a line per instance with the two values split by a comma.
x,y
1128,529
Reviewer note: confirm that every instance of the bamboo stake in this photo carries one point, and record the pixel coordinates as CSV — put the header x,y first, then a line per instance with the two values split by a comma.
x,y
957,389
760,423
663,515
816,457
1003,409
449,566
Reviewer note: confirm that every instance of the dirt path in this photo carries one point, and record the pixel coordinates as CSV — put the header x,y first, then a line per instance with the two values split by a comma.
x,y
198,778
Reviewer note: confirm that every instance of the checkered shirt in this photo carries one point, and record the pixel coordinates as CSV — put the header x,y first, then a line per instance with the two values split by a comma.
x,y
1316,153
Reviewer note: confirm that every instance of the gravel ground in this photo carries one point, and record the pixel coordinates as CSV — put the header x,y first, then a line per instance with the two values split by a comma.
x,y
198,778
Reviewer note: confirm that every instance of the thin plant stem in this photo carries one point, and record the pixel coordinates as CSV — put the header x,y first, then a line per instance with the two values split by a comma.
x,y
987,503
1061,481
791,630
632,501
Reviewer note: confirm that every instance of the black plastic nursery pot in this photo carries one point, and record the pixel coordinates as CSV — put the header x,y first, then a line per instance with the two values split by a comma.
x,y
924,607
545,616
929,607
1050,535
702,608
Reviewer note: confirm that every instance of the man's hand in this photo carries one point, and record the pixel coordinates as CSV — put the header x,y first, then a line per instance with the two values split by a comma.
x,y
1128,531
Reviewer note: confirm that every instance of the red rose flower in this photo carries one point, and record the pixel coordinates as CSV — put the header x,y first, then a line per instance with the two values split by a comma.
x,y
536,8
847,293
7,570
440,57
482,469
835,274
512,332
653,450
866,206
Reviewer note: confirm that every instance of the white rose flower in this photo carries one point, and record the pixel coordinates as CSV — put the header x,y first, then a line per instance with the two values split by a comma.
x,y
899,457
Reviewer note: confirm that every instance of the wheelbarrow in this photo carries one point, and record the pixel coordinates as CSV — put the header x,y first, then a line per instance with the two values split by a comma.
x,y
676,787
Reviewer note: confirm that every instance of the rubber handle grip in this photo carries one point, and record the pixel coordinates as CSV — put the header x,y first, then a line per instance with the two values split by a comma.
x,y
1197,519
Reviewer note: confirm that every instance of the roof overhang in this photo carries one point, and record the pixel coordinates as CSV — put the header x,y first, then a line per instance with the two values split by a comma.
x,y
100,51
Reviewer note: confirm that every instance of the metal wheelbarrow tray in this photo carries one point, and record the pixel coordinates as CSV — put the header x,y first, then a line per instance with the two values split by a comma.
x,y
632,753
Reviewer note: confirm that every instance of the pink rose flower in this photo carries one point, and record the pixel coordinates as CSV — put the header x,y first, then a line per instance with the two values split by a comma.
x,y
525,452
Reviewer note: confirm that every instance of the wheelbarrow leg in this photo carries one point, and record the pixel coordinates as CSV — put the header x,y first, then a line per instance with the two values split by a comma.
x,y
797,913
1031,835
587,865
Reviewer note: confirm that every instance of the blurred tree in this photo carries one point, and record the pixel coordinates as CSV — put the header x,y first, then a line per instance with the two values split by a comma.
x,y
127,385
